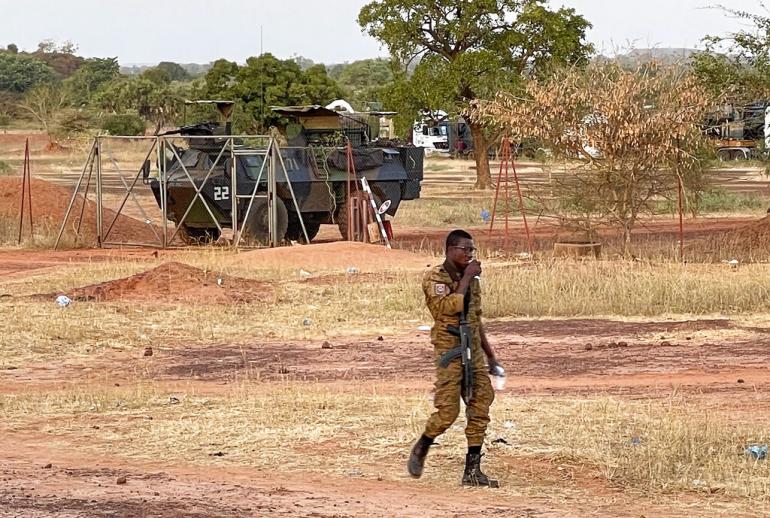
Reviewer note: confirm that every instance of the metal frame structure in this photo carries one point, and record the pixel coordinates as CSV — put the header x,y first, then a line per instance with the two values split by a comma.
x,y
502,178
163,145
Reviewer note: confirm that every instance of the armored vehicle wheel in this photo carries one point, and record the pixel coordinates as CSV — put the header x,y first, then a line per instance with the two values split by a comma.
x,y
198,236
342,215
256,229
294,231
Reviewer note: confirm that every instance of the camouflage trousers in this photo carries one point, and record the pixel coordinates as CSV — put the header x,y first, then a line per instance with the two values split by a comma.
x,y
447,401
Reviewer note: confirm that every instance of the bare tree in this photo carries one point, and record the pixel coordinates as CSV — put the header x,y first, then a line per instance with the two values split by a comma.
x,y
44,103
635,134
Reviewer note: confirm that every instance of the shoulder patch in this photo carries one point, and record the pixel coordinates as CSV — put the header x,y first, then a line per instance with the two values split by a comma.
x,y
440,289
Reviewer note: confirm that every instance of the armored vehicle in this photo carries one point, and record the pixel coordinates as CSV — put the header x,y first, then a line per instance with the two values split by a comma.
x,y
313,150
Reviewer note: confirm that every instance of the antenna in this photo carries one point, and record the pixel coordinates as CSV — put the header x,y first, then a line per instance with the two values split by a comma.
x,y
261,81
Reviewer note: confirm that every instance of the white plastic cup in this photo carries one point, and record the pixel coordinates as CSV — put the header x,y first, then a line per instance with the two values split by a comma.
x,y
497,377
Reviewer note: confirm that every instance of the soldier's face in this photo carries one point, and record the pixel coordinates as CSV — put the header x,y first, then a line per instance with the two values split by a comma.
x,y
461,253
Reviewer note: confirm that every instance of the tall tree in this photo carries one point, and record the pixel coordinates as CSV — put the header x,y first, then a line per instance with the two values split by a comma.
x,y
20,72
636,134
738,63
265,81
365,80
471,49
87,80
60,57
175,71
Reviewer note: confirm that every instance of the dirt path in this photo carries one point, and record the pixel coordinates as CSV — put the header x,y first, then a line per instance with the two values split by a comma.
x,y
628,359
541,356
38,481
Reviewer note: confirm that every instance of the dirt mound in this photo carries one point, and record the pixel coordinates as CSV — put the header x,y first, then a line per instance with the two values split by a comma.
x,y
49,205
334,256
175,282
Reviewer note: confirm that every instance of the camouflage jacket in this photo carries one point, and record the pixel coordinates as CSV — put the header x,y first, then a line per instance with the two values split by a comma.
x,y
440,285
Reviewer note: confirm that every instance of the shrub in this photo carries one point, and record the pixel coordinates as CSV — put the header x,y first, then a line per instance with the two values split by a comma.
x,y
124,124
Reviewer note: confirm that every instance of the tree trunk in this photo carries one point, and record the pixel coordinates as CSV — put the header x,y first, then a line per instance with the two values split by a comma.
x,y
626,241
481,154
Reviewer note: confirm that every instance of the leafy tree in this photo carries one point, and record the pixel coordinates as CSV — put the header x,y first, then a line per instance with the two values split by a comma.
x,y
303,62
264,81
129,123
50,46
364,81
12,48
113,96
157,103
72,123
174,71
94,73
156,75
61,58
20,72
637,134
470,49
220,78
9,103
738,63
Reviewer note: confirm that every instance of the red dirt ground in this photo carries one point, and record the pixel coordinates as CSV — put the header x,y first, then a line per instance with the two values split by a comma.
x,y
660,233
570,357
632,359
174,282
49,205
338,255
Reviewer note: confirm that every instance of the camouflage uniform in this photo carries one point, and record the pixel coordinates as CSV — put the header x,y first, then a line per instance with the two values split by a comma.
x,y
440,284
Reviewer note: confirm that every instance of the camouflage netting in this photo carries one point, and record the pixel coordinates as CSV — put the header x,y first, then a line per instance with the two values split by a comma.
x,y
363,159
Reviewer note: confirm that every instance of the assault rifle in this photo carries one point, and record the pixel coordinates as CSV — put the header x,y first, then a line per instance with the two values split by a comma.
x,y
464,351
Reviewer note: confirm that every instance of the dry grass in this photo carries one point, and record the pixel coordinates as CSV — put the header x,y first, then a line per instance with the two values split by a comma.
x,y
560,289
45,231
438,213
351,306
368,430
39,329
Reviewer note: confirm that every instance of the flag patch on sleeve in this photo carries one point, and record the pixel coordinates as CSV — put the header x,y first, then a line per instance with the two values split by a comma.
x,y
440,289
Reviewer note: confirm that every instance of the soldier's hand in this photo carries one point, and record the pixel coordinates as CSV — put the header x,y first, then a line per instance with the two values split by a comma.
x,y
495,369
473,269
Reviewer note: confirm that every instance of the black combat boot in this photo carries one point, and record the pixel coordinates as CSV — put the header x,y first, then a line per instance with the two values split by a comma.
x,y
417,456
473,476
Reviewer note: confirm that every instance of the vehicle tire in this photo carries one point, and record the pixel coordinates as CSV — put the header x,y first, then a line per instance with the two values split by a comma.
x,y
256,230
198,236
342,216
294,230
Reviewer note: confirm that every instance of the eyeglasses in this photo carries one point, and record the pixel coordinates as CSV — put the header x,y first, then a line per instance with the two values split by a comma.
x,y
467,249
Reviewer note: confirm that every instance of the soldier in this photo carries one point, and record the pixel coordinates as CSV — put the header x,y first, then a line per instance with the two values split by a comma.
x,y
450,289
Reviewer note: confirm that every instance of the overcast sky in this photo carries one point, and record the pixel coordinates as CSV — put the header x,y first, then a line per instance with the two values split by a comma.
x,y
200,31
